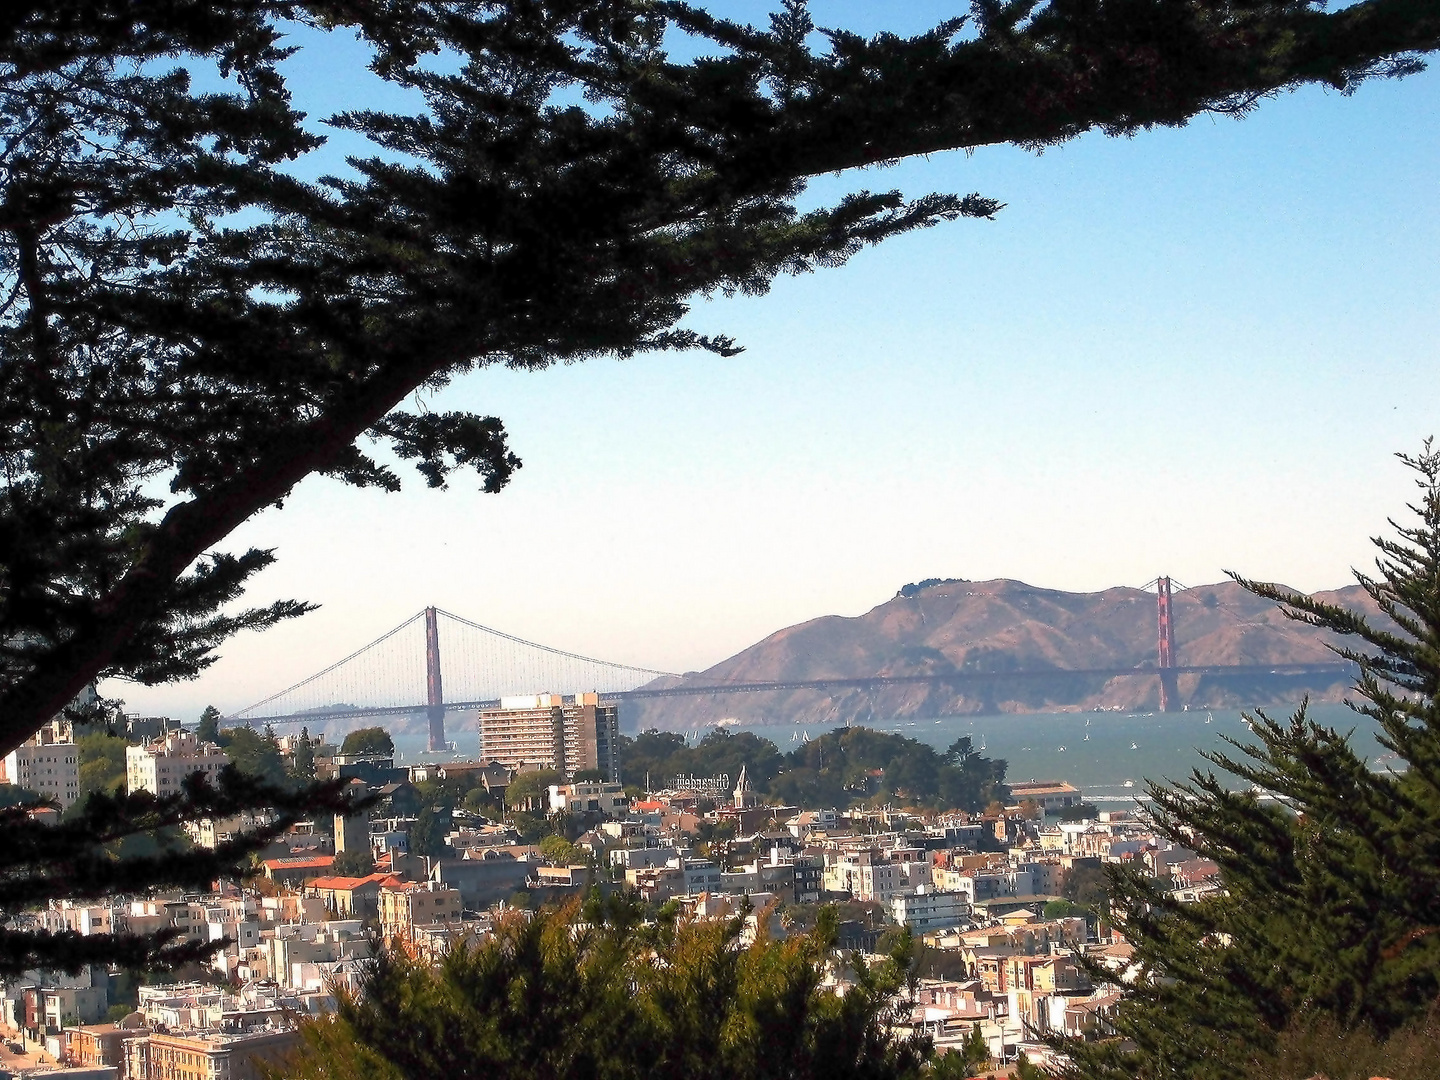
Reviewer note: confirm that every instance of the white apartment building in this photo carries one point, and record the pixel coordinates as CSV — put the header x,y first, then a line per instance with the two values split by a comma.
x,y
876,874
163,765
210,832
592,797
84,919
47,763
925,909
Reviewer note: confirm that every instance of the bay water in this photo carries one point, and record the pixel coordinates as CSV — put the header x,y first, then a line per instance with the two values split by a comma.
x,y
1108,755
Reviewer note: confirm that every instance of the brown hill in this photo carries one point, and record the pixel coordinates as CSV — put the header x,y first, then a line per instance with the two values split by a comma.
x,y
951,626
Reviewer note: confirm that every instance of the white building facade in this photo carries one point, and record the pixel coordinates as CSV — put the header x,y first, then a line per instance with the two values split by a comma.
x,y
925,909
47,763
163,765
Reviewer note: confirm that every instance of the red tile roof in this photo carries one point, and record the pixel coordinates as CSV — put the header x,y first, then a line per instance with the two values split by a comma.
x,y
301,862
350,883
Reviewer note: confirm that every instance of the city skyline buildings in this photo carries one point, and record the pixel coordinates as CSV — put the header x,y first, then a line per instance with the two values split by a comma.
x,y
1114,379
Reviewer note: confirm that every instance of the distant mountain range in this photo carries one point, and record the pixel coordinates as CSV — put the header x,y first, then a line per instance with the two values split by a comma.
x,y
946,625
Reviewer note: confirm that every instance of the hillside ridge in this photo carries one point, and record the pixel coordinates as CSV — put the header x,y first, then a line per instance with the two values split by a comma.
x,y
947,625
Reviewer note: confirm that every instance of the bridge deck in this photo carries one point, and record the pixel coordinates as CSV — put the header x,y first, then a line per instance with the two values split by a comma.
x,y
1333,669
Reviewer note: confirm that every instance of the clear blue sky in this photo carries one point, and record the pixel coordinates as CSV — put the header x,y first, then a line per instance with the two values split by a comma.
x,y
1185,352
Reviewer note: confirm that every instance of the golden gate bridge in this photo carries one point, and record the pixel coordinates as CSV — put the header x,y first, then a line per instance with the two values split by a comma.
x,y
406,671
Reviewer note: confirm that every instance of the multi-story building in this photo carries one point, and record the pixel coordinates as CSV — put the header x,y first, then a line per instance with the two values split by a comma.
x,y
876,874
925,909
1049,795
163,766
210,832
549,732
84,919
701,875
209,1055
47,763
1047,876
349,896
406,906
287,952
590,797
97,1046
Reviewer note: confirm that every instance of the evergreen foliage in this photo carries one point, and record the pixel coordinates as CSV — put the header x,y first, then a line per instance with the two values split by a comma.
x,y
964,1061
187,330
102,763
1332,886
528,790
353,864
857,764
845,766
15,795
255,754
82,858
302,764
370,740
427,835
560,852
663,755
208,730
594,993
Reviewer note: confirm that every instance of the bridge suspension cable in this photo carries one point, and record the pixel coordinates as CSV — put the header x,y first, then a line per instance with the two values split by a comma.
x,y
402,672
333,667
551,649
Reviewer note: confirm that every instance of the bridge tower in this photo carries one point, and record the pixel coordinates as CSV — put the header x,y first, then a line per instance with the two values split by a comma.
x,y
1169,688
434,695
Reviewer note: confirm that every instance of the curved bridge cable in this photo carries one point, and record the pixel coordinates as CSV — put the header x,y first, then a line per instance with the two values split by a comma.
x,y
338,664
550,649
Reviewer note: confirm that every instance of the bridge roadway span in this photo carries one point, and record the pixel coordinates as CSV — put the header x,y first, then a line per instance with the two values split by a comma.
x,y
872,682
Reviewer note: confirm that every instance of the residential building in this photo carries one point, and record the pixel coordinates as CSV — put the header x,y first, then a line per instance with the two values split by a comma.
x,y
701,875
50,1008
1050,795
164,765
294,869
875,874
482,881
209,1055
925,909
351,897
590,797
97,1046
402,907
1047,876
376,769
209,832
646,857
491,774
657,883
83,919
47,763
551,732
287,952
979,886
808,821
